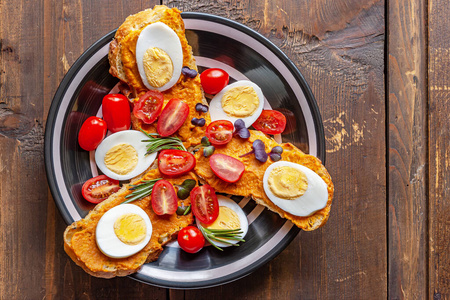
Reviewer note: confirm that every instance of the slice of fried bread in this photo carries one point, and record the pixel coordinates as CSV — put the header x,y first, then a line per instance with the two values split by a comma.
x,y
123,66
131,23
80,242
251,183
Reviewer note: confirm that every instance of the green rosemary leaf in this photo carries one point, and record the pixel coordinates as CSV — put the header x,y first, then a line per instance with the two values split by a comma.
x,y
140,190
208,239
215,231
157,143
222,236
188,209
221,241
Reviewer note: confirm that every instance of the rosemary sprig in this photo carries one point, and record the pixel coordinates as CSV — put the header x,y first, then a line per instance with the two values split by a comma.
x,y
188,209
140,190
221,236
157,143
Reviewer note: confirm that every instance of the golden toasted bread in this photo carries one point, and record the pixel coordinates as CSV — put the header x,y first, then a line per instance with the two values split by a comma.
x,y
132,23
251,183
80,242
123,66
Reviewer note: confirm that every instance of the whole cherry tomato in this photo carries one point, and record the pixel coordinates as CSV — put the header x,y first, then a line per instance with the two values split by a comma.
x,y
214,80
149,106
92,133
164,198
191,239
270,122
116,112
97,189
220,132
172,117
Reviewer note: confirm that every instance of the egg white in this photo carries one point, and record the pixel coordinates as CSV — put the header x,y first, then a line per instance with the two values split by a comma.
x,y
133,138
161,36
216,110
224,201
315,198
109,243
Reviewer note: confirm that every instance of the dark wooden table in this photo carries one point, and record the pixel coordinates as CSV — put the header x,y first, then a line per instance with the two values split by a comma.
x,y
380,73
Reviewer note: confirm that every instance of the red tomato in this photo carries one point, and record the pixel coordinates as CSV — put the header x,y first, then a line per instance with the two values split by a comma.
x,y
172,117
92,133
164,198
149,106
204,203
97,189
226,167
116,112
270,122
291,120
214,80
174,162
191,239
220,132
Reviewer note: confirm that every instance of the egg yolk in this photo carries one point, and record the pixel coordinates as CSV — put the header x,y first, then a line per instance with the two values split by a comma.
x,y
130,229
227,219
287,183
158,67
121,159
240,101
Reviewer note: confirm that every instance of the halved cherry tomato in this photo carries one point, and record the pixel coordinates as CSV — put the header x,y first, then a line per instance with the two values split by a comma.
x,y
205,205
291,120
214,80
116,112
174,162
149,106
164,198
191,239
172,117
226,167
92,133
270,122
220,132
97,189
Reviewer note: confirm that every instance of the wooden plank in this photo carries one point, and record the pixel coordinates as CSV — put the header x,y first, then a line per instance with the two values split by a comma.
x,y
22,189
78,24
338,46
407,171
439,137
39,42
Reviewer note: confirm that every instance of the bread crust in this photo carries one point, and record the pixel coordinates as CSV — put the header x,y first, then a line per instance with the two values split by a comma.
x,y
131,23
251,184
123,267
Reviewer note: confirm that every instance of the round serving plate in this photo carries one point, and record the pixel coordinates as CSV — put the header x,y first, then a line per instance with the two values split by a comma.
x,y
216,42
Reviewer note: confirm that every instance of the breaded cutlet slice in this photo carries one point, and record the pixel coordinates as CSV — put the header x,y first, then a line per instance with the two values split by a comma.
x,y
80,242
123,66
251,183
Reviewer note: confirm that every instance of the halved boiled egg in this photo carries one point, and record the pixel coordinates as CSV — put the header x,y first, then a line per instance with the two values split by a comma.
x,y
231,216
294,188
159,56
123,230
240,100
121,155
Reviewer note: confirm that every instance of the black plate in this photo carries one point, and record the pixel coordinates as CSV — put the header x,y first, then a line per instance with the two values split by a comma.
x,y
216,42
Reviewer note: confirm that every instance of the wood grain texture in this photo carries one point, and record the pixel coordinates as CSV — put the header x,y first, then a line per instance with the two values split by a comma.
x,y
39,42
383,239
439,159
407,197
343,63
